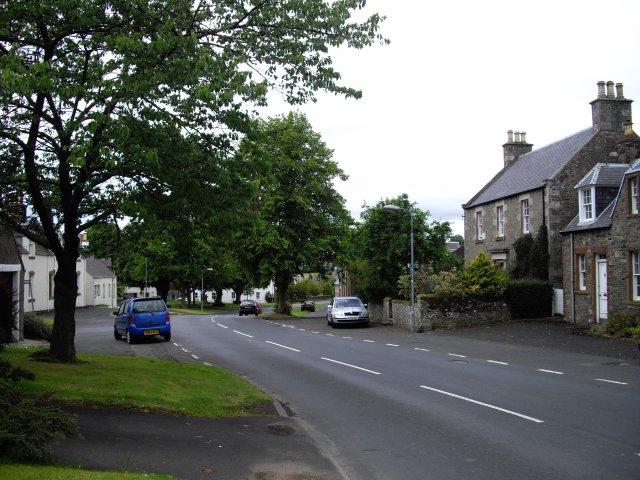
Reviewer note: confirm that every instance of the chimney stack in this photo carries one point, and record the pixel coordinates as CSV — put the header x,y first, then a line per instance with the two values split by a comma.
x,y
610,111
515,147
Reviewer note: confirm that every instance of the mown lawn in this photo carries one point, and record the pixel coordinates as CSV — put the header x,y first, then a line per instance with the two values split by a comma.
x,y
129,382
136,382
22,471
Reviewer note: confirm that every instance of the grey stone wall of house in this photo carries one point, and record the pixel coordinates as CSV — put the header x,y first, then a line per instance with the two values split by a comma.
x,y
512,208
563,198
624,238
580,305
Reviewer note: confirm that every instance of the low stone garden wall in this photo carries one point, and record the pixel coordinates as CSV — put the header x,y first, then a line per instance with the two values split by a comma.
x,y
435,311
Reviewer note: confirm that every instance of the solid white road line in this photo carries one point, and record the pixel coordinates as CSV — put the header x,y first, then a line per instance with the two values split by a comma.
x,y
282,346
351,366
532,419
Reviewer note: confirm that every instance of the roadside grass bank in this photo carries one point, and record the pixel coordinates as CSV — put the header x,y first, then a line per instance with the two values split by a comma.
x,y
140,383
125,382
24,471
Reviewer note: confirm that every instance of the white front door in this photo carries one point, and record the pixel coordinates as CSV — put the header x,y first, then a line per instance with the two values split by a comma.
x,y
601,288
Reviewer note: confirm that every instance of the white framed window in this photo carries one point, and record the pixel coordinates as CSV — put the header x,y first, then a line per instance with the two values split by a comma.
x,y
32,250
97,291
257,295
479,226
633,191
586,205
525,216
500,220
582,272
635,276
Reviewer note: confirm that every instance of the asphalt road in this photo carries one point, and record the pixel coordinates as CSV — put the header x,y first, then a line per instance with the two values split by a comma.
x,y
387,404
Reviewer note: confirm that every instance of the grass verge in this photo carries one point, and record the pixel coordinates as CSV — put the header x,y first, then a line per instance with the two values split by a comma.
x,y
22,471
141,383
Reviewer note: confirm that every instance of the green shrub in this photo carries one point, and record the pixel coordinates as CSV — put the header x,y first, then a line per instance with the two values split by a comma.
x,y
529,298
35,328
483,280
622,325
427,281
28,423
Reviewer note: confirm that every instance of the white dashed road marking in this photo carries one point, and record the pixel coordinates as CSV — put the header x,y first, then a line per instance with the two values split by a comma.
x,y
510,412
550,371
497,362
611,381
282,346
351,366
243,334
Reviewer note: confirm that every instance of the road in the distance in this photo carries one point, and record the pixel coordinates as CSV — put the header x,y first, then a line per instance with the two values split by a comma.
x,y
401,406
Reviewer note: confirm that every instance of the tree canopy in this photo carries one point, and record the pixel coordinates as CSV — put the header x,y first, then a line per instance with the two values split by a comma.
x,y
380,250
92,90
302,218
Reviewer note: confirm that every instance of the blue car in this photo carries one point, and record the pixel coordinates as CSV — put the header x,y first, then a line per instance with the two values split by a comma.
x,y
142,318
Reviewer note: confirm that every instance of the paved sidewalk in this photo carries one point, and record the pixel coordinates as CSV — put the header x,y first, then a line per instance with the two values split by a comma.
x,y
195,448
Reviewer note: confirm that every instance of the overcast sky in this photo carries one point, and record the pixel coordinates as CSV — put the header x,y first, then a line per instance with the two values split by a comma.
x,y
438,101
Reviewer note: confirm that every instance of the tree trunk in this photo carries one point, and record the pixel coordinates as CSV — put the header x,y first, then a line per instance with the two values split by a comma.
x,y
65,293
238,292
219,296
282,286
162,287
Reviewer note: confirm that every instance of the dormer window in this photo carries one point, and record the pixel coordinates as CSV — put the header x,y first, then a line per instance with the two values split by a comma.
x,y
586,205
633,186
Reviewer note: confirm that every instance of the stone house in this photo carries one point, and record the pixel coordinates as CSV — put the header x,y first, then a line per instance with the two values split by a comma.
x,y
535,187
601,245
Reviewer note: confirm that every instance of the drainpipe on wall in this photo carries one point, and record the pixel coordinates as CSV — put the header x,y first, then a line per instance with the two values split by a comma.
x,y
573,280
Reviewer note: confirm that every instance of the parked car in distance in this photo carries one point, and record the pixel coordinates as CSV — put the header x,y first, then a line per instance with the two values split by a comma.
x,y
347,311
248,307
308,305
142,318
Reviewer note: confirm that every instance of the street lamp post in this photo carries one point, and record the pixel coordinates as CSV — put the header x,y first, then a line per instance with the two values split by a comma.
x,y
202,289
411,266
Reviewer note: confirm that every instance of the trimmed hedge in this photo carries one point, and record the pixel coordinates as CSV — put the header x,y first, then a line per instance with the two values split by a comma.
x,y
529,298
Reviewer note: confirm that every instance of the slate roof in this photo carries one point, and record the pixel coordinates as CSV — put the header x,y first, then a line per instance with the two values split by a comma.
x,y
603,221
604,175
530,170
99,268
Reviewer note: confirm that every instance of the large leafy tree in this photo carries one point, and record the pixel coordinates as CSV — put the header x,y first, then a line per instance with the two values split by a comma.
x,y
302,218
84,82
380,247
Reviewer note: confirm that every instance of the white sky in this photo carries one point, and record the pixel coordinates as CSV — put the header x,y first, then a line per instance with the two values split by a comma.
x,y
438,101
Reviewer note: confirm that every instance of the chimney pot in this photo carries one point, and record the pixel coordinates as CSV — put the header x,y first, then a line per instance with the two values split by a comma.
x,y
517,137
610,89
509,136
619,93
601,89
523,137
628,128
